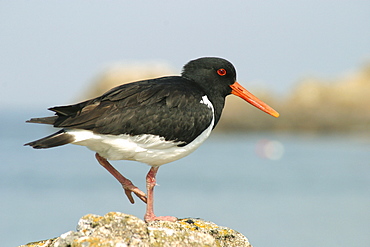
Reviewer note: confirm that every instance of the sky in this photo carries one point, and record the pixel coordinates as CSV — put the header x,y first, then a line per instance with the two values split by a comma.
x,y
51,50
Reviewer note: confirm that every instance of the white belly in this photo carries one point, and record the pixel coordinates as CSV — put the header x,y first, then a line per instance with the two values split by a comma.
x,y
150,149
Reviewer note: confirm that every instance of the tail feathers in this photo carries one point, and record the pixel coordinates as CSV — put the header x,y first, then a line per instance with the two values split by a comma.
x,y
43,120
57,139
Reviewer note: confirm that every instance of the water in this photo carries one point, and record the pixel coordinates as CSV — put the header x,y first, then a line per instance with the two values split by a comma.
x,y
277,189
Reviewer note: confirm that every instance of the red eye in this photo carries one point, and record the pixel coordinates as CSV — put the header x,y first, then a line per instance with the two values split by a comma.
x,y
221,72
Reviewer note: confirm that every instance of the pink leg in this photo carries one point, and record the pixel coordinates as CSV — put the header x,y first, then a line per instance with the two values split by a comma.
x,y
126,183
150,183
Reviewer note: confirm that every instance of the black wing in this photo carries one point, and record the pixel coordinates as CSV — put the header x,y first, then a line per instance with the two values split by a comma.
x,y
169,107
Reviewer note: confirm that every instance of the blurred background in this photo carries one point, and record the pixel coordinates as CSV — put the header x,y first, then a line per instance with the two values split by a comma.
x,y
291,181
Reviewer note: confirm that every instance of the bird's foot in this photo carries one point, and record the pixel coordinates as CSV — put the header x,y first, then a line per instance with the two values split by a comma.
x,y
133,189
150,183
127,185
149,218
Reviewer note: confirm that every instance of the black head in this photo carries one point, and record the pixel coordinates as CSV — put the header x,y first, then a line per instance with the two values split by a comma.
x,y
217,77
214,75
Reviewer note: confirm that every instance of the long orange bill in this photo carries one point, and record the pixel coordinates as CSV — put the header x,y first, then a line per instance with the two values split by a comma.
x,y
243,93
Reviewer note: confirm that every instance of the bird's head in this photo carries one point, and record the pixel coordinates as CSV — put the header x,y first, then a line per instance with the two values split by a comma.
x,y
218,76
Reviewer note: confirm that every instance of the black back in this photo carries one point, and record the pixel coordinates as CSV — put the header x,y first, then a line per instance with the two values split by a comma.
x,y
169,107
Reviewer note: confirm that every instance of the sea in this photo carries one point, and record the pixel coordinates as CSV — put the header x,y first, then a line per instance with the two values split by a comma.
x,y
278,189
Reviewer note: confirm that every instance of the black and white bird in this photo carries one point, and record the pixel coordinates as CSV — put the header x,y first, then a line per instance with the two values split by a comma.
x,y
153,121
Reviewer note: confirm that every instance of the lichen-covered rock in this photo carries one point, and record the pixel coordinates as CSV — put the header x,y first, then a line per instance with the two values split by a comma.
x,y
119,229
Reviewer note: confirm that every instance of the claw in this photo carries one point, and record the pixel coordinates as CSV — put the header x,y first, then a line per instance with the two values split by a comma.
x,y
129,196
137,192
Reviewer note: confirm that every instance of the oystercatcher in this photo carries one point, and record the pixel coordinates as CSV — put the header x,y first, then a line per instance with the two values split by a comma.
x,y
153,121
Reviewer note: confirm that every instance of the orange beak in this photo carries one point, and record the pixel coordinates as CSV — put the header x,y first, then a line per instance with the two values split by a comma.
x,y
243,93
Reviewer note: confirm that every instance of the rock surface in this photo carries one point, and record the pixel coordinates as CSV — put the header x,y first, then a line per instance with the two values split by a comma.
x,y
119,229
